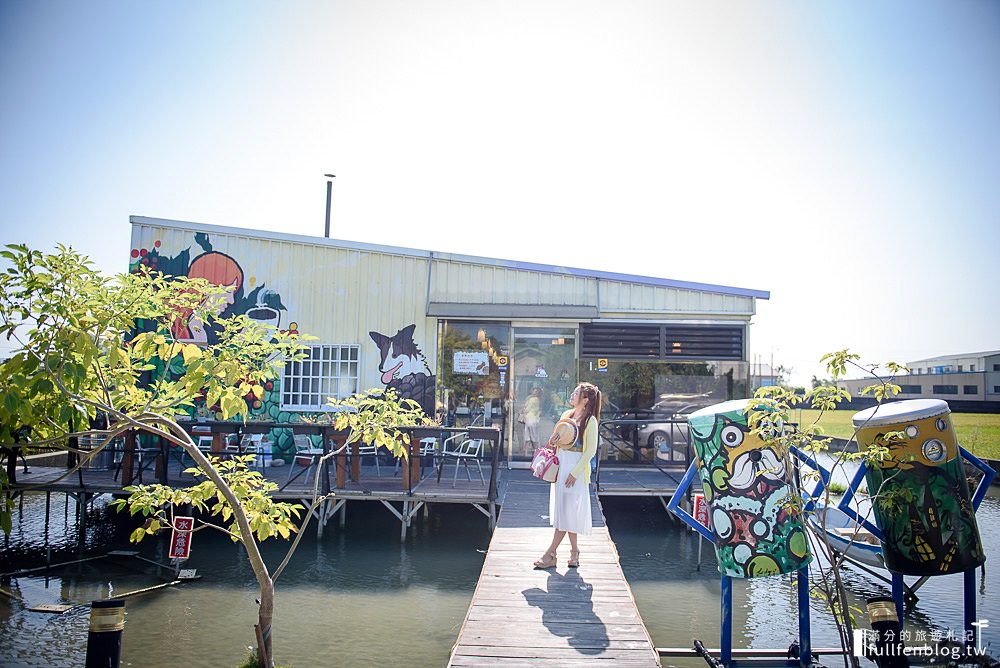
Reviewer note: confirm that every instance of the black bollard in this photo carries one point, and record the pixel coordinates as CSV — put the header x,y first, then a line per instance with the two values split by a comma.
x,y
104,642
887,649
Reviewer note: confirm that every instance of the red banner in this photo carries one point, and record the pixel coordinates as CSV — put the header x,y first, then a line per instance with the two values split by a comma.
x,y
701,510
180,537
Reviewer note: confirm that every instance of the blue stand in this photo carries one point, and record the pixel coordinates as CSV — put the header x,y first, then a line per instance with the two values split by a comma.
x,y
726,633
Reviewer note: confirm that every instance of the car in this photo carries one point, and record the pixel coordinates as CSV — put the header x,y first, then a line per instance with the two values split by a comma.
x,y
666,433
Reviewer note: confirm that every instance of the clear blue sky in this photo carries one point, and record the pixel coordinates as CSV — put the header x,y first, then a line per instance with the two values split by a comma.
x,y
844,156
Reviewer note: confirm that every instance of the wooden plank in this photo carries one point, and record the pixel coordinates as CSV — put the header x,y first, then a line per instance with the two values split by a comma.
x,y
563,616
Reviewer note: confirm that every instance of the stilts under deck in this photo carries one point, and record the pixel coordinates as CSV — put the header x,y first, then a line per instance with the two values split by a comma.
x,y
561,616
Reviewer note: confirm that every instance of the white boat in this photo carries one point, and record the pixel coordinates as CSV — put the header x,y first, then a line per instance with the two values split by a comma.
x,y
847,537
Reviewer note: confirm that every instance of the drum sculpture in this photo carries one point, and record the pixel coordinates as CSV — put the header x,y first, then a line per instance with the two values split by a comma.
x,y
756,527
921,497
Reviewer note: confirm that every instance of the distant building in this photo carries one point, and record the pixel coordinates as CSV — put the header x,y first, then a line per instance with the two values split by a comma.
x,y
963,377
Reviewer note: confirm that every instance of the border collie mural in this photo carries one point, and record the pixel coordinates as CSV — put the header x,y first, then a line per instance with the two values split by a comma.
x,y
404,368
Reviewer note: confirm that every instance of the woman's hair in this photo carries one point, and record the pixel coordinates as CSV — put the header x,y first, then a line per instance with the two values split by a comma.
x,y
593,395
218,268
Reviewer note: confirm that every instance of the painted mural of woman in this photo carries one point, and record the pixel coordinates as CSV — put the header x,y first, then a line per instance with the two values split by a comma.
x,y
219,269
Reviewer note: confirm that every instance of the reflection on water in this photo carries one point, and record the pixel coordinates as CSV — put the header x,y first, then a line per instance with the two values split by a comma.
x,y
359,598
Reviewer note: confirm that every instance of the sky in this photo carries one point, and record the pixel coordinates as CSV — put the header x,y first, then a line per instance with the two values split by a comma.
x,y
844,156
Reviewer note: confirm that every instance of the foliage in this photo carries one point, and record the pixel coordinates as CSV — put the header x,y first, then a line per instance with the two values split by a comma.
x,y
770,412
375,417
97,357
268,518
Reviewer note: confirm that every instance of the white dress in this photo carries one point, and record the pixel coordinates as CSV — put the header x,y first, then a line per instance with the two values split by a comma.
x,y
569,507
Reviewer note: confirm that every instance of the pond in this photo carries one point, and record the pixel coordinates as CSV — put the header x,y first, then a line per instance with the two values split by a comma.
x,y
357,597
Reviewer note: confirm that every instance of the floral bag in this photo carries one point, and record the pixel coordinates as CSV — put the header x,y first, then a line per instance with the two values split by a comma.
x,y
545,464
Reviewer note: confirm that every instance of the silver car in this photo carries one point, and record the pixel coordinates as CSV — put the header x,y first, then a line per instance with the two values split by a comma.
x,y
665,436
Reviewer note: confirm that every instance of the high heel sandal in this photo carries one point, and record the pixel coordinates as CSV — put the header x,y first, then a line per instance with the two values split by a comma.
x,y
548,560
574,559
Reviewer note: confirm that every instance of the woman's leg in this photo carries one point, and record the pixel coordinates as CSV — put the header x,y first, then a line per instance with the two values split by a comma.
x,y
548,559
574,551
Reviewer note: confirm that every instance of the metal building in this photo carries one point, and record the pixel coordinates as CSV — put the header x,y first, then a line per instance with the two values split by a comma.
x,y
469,338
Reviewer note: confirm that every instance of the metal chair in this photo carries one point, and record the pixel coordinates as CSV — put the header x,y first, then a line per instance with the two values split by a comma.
x,y
428,448
304,449
470,449
370,450
250,444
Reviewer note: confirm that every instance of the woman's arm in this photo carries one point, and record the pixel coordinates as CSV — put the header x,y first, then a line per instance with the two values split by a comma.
x,y
589,448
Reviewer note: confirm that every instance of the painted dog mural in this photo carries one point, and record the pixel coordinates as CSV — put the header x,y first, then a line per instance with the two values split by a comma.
x,y
746,484
404,368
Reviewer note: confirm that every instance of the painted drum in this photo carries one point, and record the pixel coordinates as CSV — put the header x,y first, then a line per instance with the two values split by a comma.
x,y
757,531
922,501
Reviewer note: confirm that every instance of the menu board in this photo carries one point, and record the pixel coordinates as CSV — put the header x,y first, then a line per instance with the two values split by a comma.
x,y
472,362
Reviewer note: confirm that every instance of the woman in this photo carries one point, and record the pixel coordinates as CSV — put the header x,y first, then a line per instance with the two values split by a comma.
x,y
569,496
532,416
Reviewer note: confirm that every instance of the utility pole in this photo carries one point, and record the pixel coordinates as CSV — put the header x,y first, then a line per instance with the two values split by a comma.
x,y
329,193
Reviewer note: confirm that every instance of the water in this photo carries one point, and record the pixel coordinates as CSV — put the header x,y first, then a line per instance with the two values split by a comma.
x,y
359,598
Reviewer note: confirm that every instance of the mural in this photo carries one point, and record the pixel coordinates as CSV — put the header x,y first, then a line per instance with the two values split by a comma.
x,y
260,303
746,484
923,506
404,368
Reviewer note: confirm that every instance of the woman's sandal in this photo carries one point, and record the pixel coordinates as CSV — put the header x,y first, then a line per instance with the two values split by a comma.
x,y
574,559
548,560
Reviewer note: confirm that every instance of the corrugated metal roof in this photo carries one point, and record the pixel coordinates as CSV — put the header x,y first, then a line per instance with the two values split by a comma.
x,y
510,264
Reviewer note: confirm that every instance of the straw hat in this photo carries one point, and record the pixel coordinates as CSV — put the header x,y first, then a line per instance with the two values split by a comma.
x,y
565,433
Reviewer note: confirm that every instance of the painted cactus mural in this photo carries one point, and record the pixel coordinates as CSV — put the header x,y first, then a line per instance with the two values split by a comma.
x,y
922,504
747,486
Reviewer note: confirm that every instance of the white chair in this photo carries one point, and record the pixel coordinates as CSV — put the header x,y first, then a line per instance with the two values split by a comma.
x,y
369,450
250,444
306,454
428,448
204,443
469,449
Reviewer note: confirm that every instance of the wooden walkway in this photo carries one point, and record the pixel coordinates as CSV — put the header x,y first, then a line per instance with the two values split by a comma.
x,y
558,617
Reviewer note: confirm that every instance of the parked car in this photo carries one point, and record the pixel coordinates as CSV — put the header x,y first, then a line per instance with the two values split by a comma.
x,y
665,436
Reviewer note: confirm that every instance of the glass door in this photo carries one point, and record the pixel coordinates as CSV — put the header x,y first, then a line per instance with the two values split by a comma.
x,y
544,375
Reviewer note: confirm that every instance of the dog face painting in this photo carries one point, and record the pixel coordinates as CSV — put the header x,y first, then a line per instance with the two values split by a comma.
x,y
404,368
746,484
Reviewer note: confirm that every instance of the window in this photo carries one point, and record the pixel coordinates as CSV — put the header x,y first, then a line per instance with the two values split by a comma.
x,y
996,389
970,389
960,367
945,389
996,367
910,389
326,371
972,367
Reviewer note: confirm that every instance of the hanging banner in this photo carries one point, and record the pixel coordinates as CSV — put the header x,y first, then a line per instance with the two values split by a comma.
x,y
180,537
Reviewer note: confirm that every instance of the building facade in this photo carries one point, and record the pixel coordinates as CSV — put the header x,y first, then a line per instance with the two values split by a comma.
x,y
469,338
968,377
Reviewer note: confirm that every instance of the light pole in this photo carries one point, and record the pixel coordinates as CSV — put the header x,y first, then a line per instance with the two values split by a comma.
x,y
329,193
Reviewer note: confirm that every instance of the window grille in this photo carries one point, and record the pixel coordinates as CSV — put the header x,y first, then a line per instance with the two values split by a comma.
x,y
325,371
663,342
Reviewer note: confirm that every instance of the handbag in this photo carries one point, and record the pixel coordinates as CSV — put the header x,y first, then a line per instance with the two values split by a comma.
x,y
545,464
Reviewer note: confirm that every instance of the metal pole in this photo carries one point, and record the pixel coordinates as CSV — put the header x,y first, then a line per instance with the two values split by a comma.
x,y
726,637
104,642
805,632
329,194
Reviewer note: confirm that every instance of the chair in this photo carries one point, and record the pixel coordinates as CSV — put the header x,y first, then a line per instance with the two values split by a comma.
x,y
428,448
250,444
370,450
304,450
469,449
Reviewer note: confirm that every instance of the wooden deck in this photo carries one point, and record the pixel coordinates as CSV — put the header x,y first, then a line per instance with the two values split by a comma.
x,y
558,617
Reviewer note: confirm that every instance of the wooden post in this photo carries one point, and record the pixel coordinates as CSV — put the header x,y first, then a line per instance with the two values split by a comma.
x,y
356,461
128,458
338,442
104,641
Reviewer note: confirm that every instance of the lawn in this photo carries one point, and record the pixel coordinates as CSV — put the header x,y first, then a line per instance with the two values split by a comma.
x,y
978,433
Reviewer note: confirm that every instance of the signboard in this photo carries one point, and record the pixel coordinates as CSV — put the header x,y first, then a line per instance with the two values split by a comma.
x,y
602,365
502,362
472,362
701,510
180,537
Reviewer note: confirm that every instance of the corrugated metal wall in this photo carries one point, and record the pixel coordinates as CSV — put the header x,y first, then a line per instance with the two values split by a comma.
x,y
340,294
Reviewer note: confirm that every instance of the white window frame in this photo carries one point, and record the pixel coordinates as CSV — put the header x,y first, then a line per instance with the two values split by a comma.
x,y
328,370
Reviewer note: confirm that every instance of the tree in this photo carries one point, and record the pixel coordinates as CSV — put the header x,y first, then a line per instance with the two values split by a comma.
x,y
87,345
769,412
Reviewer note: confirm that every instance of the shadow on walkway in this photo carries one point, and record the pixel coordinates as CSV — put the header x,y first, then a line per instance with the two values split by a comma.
x,y
568,611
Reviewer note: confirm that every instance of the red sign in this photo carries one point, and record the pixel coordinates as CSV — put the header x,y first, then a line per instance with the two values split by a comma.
x,y
701,510
180,537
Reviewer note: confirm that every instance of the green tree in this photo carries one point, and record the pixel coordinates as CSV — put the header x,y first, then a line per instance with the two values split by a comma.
x,y
87,345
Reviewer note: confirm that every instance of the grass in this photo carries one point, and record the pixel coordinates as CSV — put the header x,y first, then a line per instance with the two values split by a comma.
x,y
978,433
